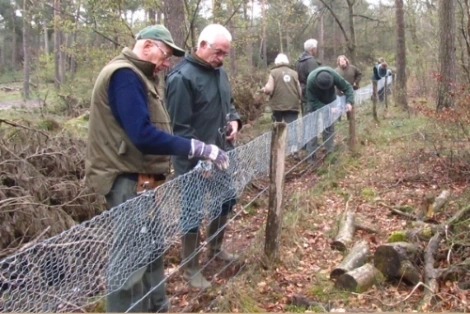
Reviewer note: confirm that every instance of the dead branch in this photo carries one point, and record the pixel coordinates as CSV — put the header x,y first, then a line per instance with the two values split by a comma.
x,y
441,200
430,273
11,123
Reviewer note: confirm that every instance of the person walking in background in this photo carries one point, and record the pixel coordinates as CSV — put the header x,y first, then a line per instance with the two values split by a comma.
x,y
285,92
305,64
199,100
350,73
321,84
284,89
130,138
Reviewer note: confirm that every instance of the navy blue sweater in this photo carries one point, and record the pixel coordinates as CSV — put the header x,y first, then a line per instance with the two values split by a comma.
x,y
128,102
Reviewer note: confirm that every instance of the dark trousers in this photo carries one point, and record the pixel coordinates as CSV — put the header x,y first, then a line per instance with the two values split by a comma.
x,y
134,256
287,116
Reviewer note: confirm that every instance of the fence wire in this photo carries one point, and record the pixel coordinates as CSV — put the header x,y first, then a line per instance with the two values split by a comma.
x,y
78,267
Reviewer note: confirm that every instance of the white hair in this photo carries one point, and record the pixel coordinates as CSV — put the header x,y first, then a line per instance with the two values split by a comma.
x,y
210,33
310,44
281,59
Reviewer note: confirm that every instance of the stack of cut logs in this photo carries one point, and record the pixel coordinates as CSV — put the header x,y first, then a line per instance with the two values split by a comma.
x,y
399,261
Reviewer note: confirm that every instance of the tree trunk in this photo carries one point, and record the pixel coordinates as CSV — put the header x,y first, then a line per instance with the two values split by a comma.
x,y
400,84
397,260
321,39
352,32
248,35
73,61
58,55
151,13
355,258
13,43
447,58
26,49
46,39
217,16
360,279
345,232
174,15
264,55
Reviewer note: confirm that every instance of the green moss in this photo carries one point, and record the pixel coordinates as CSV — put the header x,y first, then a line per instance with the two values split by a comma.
x,y
397,236
368,193
406,208
48,124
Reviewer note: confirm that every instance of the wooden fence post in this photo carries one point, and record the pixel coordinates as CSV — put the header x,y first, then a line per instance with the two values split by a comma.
x,y
352,130
385,93
276,189
374,100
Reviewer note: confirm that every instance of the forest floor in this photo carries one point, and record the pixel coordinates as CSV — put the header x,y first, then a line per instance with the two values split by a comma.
x,y
399,163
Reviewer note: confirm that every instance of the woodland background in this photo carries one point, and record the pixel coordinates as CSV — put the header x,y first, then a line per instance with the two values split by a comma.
x,y
51,53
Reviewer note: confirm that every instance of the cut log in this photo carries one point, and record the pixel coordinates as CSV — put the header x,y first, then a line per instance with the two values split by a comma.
x,y
398,261
441,200
356,258
345,232
360,279
364,226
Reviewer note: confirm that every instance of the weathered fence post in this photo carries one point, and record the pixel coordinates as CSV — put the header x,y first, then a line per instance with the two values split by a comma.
x,y
374,100
385,92
352,130
276,188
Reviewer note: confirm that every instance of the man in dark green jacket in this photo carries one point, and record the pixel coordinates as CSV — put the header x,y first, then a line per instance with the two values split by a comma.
x,y
199,100
321,92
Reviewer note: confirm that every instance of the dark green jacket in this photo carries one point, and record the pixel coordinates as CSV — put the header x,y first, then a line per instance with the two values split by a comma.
x,y
304,65
317,98
199,101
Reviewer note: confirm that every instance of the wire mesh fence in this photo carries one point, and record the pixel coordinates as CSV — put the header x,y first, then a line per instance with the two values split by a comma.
x,y
80,266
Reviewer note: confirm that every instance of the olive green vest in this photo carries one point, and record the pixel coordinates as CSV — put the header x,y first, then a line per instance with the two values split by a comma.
x,y
110,152
285,95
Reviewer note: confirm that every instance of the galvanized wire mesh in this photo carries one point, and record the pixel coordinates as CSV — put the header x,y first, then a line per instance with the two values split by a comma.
x,y
81,265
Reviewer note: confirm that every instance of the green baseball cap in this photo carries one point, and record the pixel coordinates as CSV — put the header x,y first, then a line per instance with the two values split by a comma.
x,y
161,33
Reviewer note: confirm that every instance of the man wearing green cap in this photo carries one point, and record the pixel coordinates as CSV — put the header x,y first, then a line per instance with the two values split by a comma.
x,y
321,92
129,146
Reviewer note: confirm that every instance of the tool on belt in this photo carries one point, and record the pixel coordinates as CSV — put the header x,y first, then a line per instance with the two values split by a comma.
x,y
147,181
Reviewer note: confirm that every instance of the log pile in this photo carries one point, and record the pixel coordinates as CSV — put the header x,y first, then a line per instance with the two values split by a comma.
x,y
410,256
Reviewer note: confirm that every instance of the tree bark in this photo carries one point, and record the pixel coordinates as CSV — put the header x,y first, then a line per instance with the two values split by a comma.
x,y
400,88
355,258
13,43
345,232
26,49
174,15
397,260
360,279
447,57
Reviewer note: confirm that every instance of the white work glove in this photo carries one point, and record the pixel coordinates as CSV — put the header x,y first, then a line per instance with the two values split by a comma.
x,y
209,152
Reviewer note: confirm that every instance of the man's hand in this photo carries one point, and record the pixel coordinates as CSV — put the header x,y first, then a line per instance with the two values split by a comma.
x,y
348,107
233,127
209,152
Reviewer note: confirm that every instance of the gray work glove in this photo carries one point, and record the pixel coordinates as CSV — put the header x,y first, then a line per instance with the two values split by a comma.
x,y
209,152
